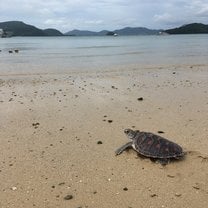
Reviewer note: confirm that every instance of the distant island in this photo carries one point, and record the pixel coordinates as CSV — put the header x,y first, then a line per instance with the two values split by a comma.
x,y
18,28
124,31
194,28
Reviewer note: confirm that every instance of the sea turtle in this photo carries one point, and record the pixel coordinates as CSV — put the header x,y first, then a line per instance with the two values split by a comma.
x,y
151,145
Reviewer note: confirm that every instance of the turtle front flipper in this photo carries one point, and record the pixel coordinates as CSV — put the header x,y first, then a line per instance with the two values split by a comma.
x,y
122,148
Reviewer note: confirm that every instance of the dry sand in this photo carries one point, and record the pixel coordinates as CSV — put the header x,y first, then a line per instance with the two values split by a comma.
x,y
51,125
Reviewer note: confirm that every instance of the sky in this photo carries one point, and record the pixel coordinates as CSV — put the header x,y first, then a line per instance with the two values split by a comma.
x,y
96,15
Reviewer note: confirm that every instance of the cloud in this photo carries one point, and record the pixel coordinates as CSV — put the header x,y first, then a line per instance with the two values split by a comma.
x,y
202,8
104,14
169,20
177,13
163,17
203,12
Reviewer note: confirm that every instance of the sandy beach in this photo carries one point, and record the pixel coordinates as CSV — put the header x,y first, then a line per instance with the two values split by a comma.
x,y
59,132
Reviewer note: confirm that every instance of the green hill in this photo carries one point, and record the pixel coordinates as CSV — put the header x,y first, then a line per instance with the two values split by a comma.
x,y
136,31
194,28
52,32
21,29
17,28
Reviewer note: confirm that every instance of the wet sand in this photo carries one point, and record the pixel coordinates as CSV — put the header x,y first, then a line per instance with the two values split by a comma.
x,y
59,133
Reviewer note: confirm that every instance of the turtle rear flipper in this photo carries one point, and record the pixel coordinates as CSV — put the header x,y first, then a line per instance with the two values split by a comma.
x,y
122,148
162,161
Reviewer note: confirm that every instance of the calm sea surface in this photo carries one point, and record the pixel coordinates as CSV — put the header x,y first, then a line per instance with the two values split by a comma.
x,y
69,53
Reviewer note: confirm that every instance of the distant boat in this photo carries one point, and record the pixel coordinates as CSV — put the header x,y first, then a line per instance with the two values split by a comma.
x,y
163,33
110,33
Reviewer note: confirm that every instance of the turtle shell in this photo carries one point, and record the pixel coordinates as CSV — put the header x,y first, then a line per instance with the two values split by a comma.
x,y
152,145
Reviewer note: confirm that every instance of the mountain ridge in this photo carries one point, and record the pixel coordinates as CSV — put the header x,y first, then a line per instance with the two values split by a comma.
x,y
123,31
19,28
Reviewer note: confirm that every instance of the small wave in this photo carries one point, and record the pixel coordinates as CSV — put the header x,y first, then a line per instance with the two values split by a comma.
x,y
91,47
103,55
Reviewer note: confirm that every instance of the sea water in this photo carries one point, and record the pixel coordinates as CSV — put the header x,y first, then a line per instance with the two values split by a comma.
x,y
101,52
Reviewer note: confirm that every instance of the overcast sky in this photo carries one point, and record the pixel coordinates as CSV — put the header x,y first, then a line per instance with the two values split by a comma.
x,y
97,15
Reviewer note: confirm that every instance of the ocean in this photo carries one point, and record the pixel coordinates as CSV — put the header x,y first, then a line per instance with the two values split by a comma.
x,y
102,52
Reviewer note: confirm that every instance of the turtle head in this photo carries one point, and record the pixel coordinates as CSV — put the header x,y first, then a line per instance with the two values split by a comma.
x,y
130,133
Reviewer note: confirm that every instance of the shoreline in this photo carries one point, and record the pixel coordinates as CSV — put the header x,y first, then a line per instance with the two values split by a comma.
x,y
51,126
28,69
